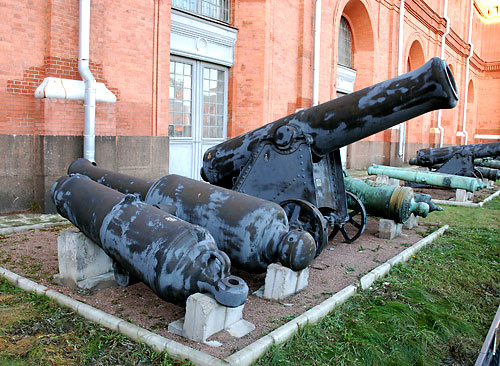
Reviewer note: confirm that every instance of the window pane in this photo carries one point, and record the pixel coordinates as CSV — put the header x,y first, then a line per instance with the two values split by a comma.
x,y
345,44
180,96
213,99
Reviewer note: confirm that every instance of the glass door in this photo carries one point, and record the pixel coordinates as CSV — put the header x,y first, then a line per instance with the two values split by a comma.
x,y
197,113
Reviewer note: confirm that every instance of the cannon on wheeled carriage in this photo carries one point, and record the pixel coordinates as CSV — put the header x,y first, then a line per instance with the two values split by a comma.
x,y
295,160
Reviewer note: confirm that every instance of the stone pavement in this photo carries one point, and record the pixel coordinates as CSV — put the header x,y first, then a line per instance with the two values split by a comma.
x,y
27,221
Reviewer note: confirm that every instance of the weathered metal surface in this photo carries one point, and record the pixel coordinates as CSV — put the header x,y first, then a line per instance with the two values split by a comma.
x,y
457,160
341,121
432,156
297,157
174,258
389,202
489,163
430,178
488,173
121,182
253,232
426,198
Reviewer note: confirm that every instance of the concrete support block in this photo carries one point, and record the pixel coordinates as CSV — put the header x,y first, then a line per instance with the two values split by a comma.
x,y
82,263
205,317
388,229
282,282
393,182
411,223
382,179
461,195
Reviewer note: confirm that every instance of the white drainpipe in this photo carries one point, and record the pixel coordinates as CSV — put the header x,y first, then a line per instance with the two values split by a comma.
x,y
317,40
443,47
467,67
402,126
88,78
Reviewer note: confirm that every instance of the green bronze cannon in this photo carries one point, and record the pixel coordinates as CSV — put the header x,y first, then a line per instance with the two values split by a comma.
x,y
431,178
487,162
389,202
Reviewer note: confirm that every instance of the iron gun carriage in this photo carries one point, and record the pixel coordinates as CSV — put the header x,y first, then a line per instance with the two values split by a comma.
x,y
295,162
459,160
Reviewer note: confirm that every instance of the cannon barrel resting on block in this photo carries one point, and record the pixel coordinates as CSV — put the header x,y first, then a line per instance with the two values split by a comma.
x,y
296,158
389,202
172,257
252,232
430,178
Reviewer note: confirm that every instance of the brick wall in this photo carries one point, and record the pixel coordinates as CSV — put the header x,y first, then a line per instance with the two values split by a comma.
x,y
129,53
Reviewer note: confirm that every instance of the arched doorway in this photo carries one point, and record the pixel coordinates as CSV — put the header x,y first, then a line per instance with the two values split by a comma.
x,y
355,46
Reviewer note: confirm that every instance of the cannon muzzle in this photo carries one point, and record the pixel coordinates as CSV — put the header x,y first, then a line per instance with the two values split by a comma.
x,y
341,121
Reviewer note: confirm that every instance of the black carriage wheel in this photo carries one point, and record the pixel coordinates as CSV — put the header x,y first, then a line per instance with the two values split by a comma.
x,y
304,215
356,221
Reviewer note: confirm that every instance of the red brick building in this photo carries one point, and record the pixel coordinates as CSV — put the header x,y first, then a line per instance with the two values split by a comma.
x,y
184,75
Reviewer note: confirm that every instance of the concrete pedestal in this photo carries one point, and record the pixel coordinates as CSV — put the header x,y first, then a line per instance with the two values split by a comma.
x,y
388,229
205,317
411,223
82,263
282,282
384,179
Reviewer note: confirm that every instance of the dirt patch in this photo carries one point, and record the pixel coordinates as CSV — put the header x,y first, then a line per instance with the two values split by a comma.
x,y
449,194
33,254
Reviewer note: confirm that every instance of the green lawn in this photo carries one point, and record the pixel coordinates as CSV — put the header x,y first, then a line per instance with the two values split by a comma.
x,y
434,310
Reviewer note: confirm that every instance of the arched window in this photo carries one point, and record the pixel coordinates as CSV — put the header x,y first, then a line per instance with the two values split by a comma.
x,y
345,44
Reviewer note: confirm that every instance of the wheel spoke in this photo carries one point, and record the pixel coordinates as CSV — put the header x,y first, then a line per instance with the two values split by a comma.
x,y
334,232
295,214
344,234
355,223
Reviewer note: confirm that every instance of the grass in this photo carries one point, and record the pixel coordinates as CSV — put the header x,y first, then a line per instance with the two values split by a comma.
x,y
35,331
434,310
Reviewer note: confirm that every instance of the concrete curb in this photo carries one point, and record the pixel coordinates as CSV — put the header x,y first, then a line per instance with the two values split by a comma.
x,y
247,355
138,334
467,204
16,229
252,352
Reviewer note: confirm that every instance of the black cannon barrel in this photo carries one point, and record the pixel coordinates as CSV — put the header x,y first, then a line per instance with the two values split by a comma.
x,y
439,155
121,182
253,232
341,121
174,258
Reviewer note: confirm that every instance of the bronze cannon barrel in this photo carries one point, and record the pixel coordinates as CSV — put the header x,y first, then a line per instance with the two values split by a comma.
x,y
341,121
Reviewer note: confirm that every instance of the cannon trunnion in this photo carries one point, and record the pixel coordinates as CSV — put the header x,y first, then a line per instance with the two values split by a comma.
x,y
295,160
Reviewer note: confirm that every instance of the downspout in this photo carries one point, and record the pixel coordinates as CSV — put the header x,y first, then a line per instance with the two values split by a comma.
x,y
443,47
88,78
402,126
317,40
467,67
